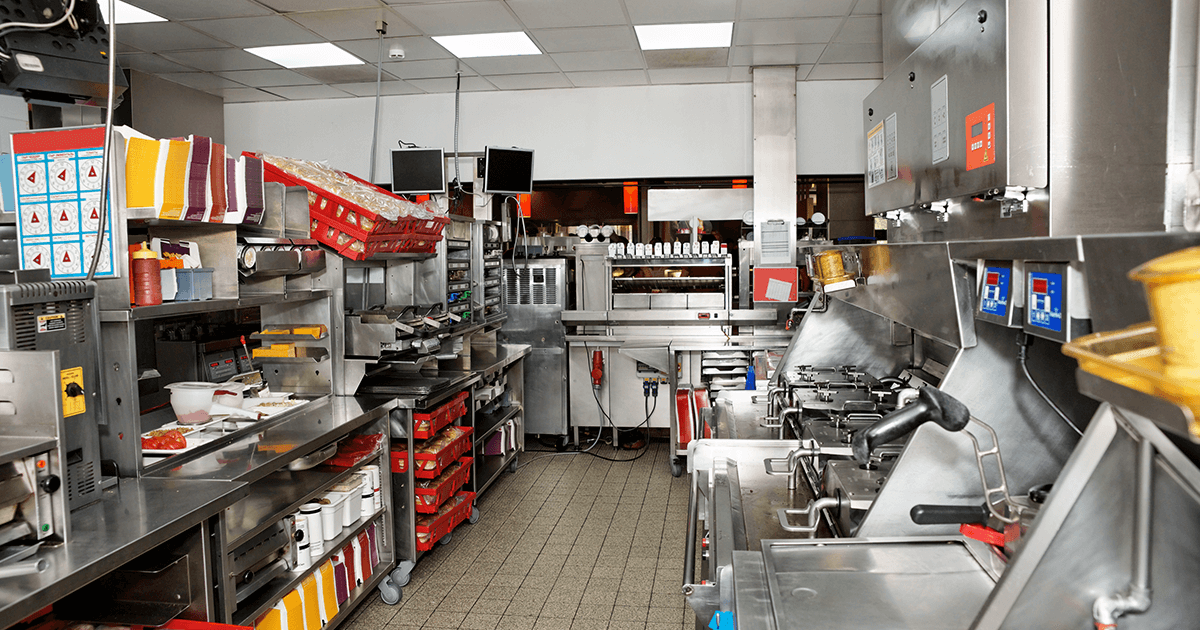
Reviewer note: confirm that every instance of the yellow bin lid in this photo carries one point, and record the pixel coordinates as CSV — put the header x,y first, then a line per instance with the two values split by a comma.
x,y
1174,267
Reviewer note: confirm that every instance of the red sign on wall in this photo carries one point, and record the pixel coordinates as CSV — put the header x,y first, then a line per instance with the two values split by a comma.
x,y
631,197
776,284
981,137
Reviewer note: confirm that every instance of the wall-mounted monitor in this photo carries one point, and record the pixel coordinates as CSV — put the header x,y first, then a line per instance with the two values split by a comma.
x,y
418,171
508,171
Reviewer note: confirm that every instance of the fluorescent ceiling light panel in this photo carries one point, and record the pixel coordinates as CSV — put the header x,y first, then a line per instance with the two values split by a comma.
x,y
306,55
488,45
674,36
128,14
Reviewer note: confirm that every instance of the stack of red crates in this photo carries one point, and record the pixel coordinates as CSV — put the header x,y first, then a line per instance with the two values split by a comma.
x,y
440,473
357,232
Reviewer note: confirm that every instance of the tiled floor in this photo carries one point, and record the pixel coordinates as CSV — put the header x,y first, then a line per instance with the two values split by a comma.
x,y
570,542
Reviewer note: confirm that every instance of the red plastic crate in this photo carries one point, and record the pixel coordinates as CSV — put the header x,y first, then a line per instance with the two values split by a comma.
x,y
333,216
353,450
430,465
433,528
399,459
444,487
427,424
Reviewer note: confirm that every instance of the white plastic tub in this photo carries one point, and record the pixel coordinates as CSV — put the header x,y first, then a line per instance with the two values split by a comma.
x,y
333,513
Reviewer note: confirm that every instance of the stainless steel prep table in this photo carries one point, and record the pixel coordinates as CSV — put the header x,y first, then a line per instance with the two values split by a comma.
x,y
261,459
131,518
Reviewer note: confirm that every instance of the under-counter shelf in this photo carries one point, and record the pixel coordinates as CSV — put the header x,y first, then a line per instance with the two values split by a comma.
x,y
487,423
280,494
264,599
172,309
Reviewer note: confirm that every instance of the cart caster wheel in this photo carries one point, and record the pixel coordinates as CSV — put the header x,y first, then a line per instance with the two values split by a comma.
x,y
512,466
474,517
676,468
445,540
401,577
389,592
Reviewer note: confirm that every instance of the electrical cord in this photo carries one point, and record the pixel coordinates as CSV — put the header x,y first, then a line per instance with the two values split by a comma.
x,y
1023,343
108,125
457,92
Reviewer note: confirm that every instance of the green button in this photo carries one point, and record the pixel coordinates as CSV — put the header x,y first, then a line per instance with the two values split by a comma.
x,y
45,527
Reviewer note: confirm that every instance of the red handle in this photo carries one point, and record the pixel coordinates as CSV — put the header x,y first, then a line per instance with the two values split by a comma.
x,y
597,368
982,534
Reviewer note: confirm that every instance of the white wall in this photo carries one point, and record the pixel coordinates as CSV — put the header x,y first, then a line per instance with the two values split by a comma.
x,y
589,133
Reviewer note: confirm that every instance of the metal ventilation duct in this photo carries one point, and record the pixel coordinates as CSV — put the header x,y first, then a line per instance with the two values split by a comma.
x,y
774,111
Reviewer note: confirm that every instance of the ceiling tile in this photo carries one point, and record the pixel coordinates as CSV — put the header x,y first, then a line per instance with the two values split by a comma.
x,y
220,60
521,64
775,9
246,95
150,63
835,71
317,5
415,48
861,29
801,31
426,69
601,60
269,30
343,74
783,55
469,84
200,80
673,11
689,75
853,53
868,7
159,36
268,78
687,58
585,39
303,92
608,78
387,88
556,13
356,24
530,81
176,10
459,18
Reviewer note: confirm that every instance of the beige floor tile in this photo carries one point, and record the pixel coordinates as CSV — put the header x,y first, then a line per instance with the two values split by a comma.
x,y
629,613
480,621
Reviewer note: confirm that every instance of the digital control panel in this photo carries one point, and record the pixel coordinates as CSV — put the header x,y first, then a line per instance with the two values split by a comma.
x,y
993,299
1045,301
999,290
1055,301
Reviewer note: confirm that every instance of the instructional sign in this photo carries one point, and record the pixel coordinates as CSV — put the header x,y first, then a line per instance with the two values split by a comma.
x,y
57,175
876,157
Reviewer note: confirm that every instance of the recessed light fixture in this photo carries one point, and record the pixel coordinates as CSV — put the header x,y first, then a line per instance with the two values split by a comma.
x,y
128,14
306,55
488,45
674,36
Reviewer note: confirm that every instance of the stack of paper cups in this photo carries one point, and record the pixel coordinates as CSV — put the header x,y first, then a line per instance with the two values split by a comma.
x,y
303,545
316,536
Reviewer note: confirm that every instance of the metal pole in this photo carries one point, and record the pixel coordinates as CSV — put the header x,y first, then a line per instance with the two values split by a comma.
x,y
381,28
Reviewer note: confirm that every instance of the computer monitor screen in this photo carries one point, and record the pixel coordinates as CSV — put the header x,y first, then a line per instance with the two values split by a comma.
x,y
418,171
508,171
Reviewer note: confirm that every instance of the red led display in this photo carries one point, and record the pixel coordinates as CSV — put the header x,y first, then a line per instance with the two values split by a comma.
x,y
993,279
1040,285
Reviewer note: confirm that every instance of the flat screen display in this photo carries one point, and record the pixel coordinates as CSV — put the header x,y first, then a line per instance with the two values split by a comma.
x,y
418,171
508,171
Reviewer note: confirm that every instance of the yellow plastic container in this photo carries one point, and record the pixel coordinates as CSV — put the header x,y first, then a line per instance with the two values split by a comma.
x,y
1133,358
1172,285
831,268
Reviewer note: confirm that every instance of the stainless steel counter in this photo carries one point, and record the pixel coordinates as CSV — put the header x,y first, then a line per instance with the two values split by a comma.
x,y
487,360
738,415
130,519
256,455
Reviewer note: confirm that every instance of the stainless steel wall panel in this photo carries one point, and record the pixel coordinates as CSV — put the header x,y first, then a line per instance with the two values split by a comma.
x,y
845,334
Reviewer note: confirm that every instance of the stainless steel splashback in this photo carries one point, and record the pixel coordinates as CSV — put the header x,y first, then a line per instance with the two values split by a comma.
x,y
1092,113
908,23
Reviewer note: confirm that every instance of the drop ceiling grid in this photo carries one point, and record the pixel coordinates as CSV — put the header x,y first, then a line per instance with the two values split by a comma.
x,y
586,43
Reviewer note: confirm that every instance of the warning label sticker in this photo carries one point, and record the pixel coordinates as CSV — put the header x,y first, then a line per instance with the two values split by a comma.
x,y
74,400
876,157
51,323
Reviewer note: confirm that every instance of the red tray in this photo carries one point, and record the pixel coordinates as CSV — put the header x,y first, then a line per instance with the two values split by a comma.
x,y
357,232
449,516
428,424
444,487
430,465
399,460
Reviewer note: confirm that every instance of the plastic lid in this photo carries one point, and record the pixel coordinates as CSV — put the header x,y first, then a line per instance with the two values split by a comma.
x,y
1174,267
144,252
